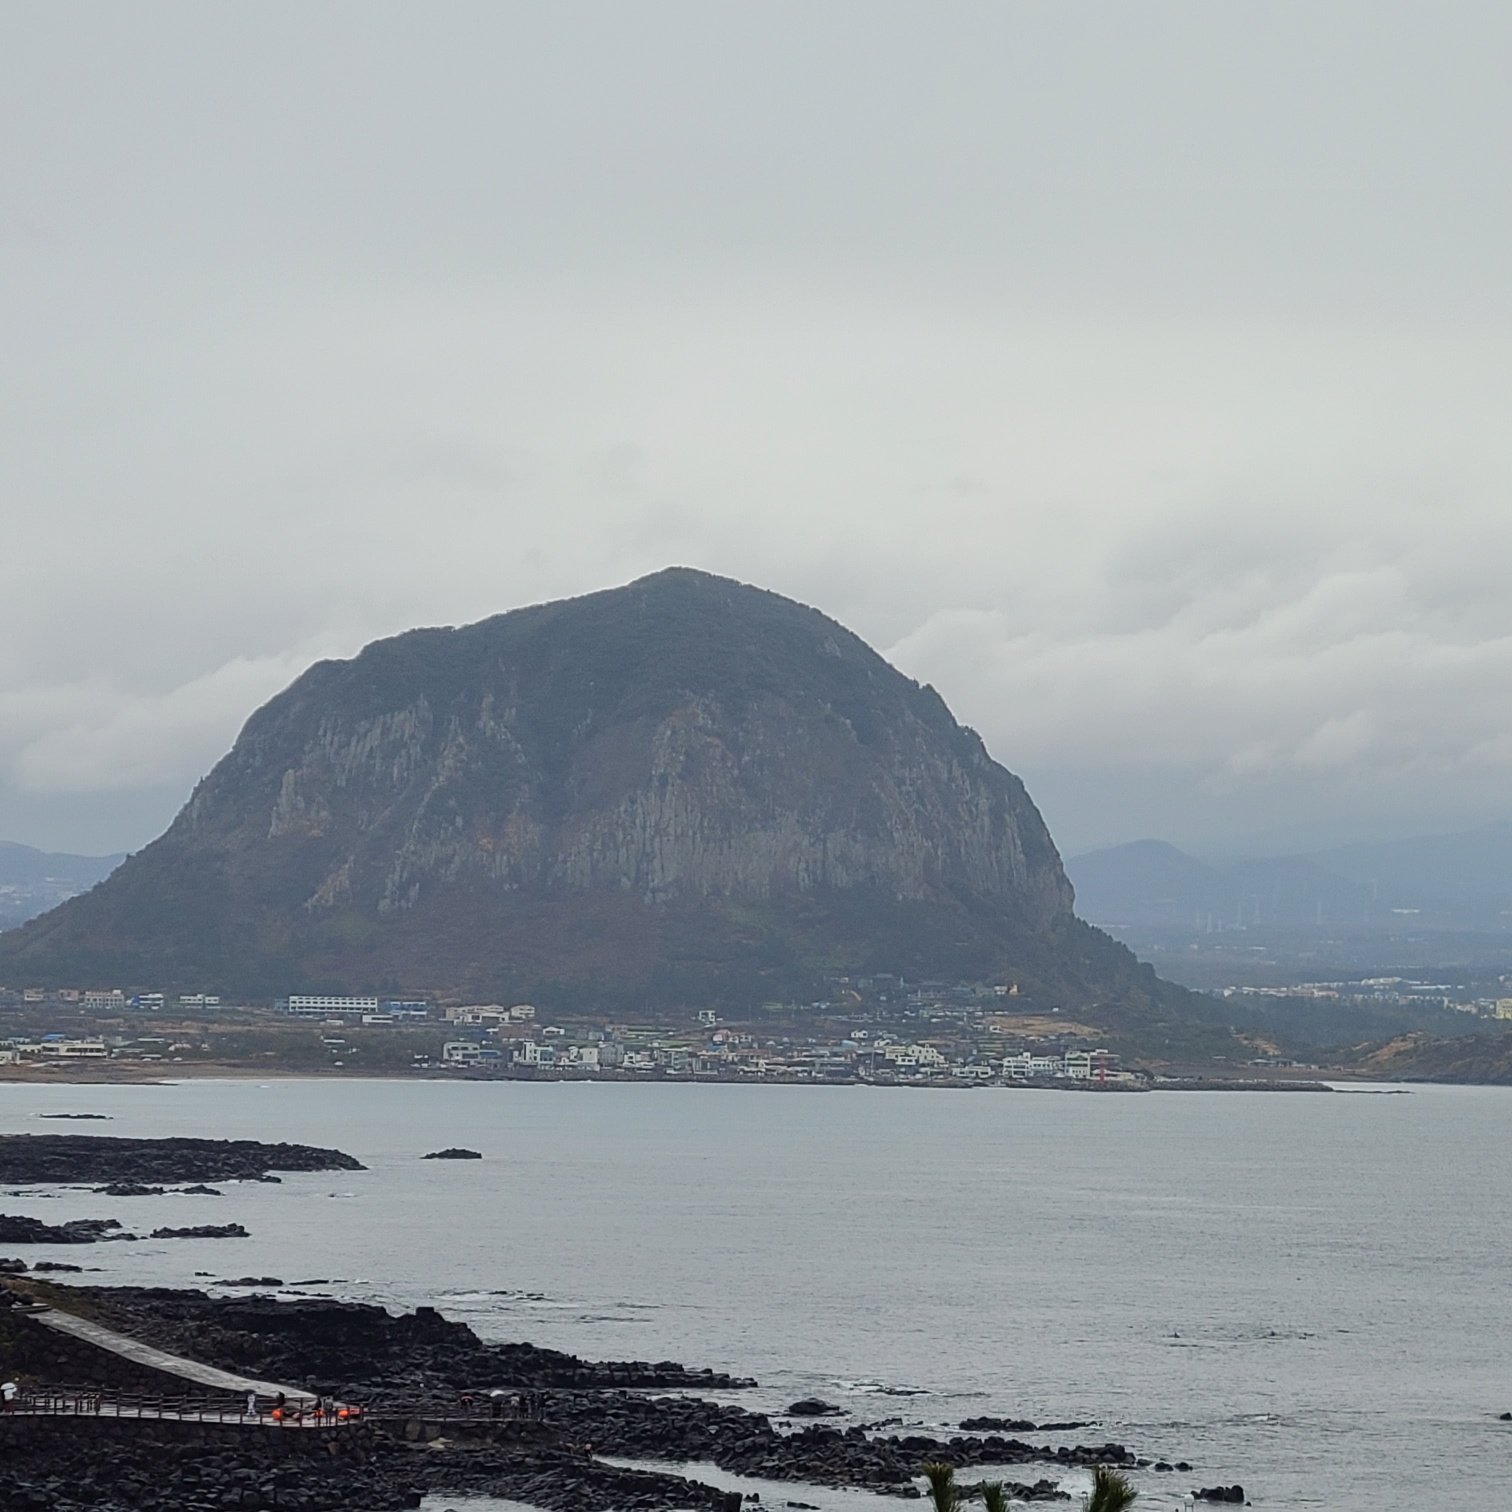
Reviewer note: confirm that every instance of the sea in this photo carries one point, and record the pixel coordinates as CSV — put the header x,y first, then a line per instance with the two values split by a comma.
x,y
1308,1294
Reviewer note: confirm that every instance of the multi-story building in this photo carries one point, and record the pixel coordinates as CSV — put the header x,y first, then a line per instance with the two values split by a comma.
x,y
320,1006
488,1015
57,1047
530,1053
913,1057
1027,1067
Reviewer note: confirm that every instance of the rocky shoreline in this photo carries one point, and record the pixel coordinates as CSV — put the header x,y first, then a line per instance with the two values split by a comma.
x,y
430,1425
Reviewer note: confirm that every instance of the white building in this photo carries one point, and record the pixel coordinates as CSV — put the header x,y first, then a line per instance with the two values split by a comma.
x,y
911,1056
1024,1066
105,999
484,1015
61,1049
309,1005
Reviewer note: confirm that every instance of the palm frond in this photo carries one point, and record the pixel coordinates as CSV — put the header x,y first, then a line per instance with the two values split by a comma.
x,y
1111,1491
942,1487
994,1498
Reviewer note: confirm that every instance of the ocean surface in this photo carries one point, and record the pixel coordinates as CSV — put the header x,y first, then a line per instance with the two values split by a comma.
x,y
1307,1294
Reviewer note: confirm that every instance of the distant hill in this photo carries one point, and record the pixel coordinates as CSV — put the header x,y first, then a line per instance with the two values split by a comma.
x,y
33,881
1151,885
1466,876
1484,1058
1441,882
684,790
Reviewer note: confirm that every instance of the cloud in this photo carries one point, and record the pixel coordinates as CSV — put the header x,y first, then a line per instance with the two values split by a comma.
x,y
86,738
1142,383
1112,547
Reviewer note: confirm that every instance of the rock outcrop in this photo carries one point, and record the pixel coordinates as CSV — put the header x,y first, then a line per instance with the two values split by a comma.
x,y
129,1164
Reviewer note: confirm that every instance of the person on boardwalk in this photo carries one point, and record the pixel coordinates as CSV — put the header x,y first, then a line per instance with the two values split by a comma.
x,y
9,1391
252,1404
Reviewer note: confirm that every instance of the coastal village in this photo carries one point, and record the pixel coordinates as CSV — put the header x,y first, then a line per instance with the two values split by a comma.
x,y
877,1030
884,1032
891,1032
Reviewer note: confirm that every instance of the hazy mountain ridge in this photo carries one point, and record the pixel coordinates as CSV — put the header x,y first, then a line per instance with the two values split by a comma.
x,y
1458,881
679,788
32,881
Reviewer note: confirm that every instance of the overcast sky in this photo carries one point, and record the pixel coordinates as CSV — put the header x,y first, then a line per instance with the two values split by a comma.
x,y
1138,374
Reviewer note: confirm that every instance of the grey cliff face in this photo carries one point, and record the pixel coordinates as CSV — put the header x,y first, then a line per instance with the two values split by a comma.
x,y
663,775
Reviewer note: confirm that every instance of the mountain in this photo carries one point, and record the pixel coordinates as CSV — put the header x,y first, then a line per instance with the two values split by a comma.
x,y
684,790
1443,882
32,881
1465,877
1148,884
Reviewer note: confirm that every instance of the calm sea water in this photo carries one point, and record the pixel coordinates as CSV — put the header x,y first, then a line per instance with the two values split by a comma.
x,y
1307,1294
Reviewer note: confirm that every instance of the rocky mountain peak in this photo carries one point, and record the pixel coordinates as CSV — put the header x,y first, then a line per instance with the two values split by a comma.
x,y
665,787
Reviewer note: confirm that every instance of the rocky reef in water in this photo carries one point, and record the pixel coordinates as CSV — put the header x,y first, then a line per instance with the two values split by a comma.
x,y
18,1229
33,1159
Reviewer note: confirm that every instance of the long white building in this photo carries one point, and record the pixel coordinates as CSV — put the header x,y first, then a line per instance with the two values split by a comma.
x,y
312,1005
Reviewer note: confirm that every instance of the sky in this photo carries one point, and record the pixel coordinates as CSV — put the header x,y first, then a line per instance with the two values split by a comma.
x,y
1138,375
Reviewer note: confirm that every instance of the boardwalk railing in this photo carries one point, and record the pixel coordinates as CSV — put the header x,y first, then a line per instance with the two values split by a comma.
x,y
84,1401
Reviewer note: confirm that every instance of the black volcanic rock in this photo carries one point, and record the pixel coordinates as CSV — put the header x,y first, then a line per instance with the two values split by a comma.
x,y
203,1231
350,1342
128,1165
684,789
16,1229
426,1386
